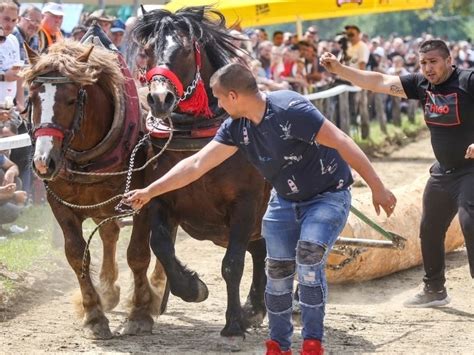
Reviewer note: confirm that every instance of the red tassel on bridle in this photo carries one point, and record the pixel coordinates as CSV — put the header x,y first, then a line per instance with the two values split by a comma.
x,y
197,104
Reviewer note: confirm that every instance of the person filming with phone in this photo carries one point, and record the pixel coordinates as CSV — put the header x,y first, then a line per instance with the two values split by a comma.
x,y
11,92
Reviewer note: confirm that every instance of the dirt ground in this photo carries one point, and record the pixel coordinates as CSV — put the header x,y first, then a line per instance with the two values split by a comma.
x,y
361,318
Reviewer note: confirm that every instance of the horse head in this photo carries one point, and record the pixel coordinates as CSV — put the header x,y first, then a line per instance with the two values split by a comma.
x,y
184,49
63,101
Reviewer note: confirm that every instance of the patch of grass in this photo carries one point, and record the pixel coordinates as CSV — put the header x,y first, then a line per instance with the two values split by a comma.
x,y
20,251
379,142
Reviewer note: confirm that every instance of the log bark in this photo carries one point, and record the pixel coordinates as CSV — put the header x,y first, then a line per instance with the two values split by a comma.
x,y
405,221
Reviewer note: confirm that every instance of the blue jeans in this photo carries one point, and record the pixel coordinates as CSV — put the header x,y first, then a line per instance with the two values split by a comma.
x,y
299,237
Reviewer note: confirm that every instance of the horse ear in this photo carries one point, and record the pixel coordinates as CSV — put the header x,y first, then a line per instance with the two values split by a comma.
x,y
84,57
33,57
200,12
143,9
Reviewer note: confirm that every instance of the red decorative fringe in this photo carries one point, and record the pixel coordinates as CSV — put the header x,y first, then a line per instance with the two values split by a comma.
x,y
198,103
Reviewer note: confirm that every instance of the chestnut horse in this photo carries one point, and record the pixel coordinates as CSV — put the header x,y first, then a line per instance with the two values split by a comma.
x,y
226,205
84,118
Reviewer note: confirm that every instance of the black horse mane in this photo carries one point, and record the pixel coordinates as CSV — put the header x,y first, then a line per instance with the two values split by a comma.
x,y
199,23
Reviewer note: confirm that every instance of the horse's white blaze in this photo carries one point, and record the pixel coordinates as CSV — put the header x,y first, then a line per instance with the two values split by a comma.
x,y
47,103
160,89
43,147
44,144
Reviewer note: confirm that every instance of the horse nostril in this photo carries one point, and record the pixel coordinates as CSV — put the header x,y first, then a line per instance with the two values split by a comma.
x,y
170,100
150,99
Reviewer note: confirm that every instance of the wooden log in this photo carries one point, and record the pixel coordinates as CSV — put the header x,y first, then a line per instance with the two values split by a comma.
x,y
405,221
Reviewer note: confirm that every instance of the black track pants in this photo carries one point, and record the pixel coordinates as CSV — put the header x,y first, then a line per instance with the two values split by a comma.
x,y
444,196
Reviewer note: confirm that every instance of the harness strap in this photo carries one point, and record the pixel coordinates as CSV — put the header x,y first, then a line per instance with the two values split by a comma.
x,y
168,74
48,131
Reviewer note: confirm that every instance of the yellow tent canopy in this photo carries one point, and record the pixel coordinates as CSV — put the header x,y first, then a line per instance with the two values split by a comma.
x,y
267,12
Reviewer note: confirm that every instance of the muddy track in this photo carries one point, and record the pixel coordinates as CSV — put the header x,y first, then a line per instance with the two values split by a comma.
x,y
365,317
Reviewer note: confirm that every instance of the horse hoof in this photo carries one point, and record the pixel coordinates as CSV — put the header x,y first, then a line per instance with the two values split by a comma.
x,y
197,293
97,331
230,344
253,317
203,292
137,327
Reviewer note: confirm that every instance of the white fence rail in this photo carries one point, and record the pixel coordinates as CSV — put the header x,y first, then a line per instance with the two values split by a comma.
x,y
23,140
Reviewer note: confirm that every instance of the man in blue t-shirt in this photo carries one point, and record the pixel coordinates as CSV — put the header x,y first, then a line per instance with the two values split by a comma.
x,y
447,96
305,157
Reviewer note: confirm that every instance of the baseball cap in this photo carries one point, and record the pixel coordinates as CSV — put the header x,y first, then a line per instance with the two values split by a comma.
x,y
352,27
379,51
53,8
101,15
117,26
78,29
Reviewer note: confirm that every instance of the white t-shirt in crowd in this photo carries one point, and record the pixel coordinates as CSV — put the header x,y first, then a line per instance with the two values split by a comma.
x,y
9,56
358,52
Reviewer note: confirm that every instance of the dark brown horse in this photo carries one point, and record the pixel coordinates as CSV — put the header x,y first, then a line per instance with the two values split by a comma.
x,y
226,205
84,117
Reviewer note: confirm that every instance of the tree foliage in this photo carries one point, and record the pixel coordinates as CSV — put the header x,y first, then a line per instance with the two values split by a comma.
x,y
450,19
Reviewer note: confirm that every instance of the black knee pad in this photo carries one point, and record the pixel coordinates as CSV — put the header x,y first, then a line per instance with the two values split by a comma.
x,y
308,253
280,269
278,303
311,296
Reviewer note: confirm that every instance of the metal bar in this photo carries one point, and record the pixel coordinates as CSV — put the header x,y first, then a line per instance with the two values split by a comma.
x,y
370,243
397,240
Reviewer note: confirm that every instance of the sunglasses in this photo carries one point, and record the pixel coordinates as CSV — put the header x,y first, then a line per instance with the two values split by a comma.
x,y
36,23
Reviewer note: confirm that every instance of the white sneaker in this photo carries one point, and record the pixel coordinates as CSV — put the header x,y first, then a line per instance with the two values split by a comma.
x,y
17,229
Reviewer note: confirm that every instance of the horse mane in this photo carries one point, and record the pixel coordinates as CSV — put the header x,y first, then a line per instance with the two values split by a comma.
x,y
200,23
102,66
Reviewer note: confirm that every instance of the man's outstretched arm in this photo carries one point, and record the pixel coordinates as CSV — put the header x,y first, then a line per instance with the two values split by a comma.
x,y
373,81
183,173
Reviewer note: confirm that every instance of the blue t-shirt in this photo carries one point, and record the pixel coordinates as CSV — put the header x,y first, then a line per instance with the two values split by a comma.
x,y
2,160
283,148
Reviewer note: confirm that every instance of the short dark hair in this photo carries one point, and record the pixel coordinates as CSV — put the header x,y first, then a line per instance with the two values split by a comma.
x,y
352,27
434,44
303,44
276,33
29,9
235,77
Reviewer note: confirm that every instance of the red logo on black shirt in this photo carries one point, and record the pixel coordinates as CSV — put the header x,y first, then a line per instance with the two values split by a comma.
x,y
442,110
439,109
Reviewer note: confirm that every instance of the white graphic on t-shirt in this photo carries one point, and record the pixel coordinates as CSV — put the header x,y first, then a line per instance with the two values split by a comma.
x,y
286,128
330,168
246,136
341,184
264,159
294,189
293,158
294,102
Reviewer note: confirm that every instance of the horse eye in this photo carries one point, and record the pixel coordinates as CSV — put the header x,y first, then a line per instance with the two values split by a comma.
x,y
71,102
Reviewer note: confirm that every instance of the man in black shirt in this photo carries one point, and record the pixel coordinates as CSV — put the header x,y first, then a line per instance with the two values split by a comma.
x,y
447,95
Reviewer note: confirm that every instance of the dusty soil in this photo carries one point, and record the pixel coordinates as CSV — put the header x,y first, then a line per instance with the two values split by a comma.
x,y
365,317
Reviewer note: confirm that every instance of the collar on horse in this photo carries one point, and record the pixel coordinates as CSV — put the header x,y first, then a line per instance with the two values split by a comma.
x,y
53,129
194,99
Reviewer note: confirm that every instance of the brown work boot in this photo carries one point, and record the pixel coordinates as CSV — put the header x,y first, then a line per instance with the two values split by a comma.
x,y
312,347
273,348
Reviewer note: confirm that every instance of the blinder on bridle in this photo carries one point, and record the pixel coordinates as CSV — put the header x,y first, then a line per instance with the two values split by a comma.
x,y
52,128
